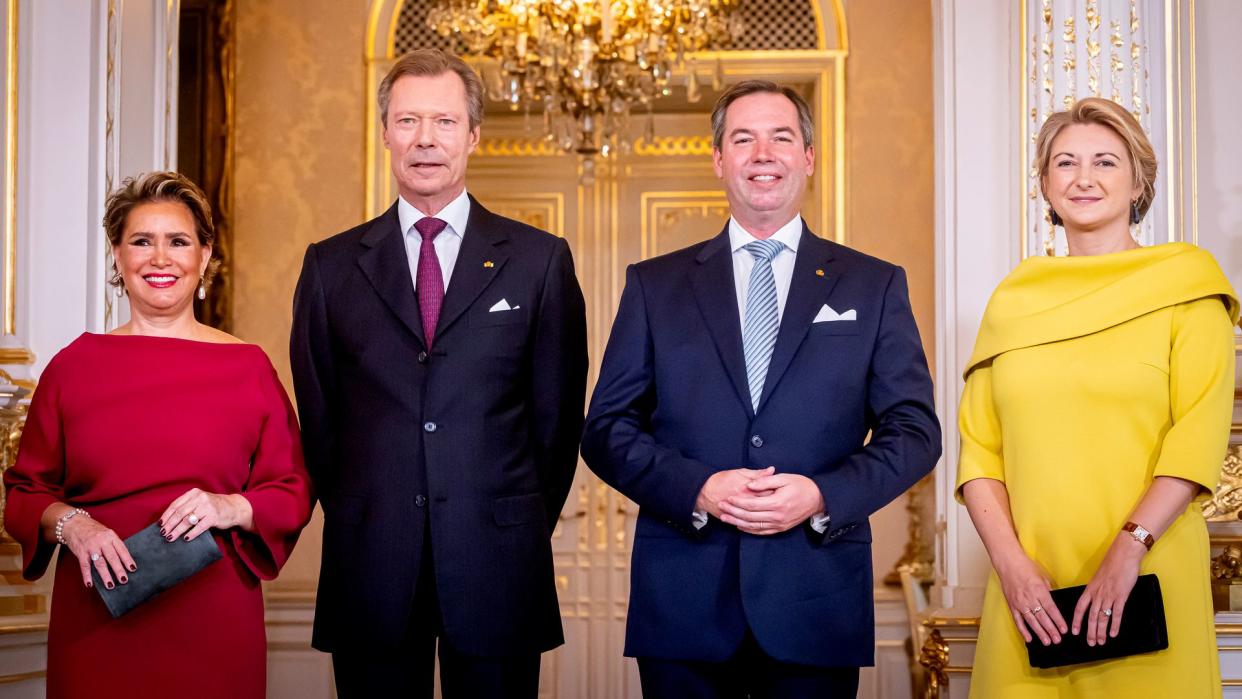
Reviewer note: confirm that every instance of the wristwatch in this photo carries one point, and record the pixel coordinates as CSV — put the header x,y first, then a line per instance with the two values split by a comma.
x,y
1140,534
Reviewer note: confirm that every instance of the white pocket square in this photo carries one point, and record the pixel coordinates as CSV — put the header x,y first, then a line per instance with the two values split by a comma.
x,y
502,305
828,315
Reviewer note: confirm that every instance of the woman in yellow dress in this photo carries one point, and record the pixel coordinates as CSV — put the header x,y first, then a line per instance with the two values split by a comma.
x,y
1095,416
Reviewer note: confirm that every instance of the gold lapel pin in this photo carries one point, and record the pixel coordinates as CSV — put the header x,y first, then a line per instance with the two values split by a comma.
x,y
488,264
819,272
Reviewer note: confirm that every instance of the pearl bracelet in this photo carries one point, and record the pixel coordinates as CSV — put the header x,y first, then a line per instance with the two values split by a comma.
x,y
60,523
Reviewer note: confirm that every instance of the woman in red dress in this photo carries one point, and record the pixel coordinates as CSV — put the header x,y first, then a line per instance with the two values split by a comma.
x,y
167,420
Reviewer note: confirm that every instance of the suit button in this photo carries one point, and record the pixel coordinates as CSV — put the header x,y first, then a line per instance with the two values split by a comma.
x,y
420,500
422,357
756,441
429,427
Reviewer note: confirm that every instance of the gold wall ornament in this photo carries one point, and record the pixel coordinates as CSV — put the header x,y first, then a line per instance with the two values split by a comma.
x,y
1226,503
586,64
1071,49
934,657
919,556
13,407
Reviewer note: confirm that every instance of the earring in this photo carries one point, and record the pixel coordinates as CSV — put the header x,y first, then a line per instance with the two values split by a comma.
x,y
1135,217
1054,217
202,290
120,290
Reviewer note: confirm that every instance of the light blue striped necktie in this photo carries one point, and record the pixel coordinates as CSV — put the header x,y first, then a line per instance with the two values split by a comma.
x,y
763,318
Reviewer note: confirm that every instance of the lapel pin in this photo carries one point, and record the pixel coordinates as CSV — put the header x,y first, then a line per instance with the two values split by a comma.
x,y
488,264
819,272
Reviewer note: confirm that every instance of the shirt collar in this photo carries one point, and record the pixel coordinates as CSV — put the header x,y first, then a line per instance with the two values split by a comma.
x,y
789,234
455,214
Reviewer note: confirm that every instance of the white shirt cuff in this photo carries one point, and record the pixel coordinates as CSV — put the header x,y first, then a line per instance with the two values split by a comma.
x,y
699,519
820,522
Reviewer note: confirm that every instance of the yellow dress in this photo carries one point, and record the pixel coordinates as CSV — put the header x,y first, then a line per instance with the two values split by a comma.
x,y
1090,376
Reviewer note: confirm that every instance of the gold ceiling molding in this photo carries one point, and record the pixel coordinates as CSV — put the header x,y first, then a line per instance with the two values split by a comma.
x,y
541,148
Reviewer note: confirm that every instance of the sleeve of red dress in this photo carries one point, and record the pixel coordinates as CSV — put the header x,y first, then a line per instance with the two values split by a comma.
x,y
37,478
279,488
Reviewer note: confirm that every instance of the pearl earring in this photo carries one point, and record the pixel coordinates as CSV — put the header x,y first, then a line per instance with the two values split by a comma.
x,y
202,290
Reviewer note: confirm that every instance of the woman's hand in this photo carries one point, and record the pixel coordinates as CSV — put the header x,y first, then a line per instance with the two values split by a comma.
x,y
1026,591
196,511
94,544
1106,594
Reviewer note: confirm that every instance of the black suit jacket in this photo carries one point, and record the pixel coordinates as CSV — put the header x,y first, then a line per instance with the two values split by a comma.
x,y
672,407
477,438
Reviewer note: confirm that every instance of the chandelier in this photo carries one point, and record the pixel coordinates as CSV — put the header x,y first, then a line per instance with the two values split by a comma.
x,y
585,64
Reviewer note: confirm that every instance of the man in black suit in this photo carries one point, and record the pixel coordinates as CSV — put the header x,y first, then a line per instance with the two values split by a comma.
x,y
439,359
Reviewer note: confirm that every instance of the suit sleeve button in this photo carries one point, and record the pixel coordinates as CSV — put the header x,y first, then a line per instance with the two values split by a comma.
x,y
420,500
756,441
429,427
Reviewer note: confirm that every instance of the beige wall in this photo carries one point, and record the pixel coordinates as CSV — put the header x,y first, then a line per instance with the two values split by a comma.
x,y
299,168
889,172
299,175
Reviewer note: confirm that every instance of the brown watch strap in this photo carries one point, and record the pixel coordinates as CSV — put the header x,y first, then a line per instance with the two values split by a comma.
x,y
1140,534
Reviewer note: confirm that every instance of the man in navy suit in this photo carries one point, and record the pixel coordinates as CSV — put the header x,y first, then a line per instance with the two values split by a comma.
x,y
439,359
734,403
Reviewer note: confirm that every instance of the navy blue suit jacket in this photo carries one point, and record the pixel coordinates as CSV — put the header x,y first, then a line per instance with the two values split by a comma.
x,y
476,436
672,406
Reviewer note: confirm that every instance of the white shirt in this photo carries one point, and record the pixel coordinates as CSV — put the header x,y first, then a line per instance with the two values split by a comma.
x,y
447,243
782,270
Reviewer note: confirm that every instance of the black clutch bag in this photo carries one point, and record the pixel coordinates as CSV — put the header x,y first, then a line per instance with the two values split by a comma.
x,y
1142,629
161,565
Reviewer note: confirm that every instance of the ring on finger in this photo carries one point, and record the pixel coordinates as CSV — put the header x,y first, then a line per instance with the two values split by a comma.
x,y
1106,612
94,558
192,519
1037,609
1026,611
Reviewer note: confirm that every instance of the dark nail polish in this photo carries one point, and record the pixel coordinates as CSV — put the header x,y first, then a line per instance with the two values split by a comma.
x,y
108,585
133,567
187,538
124,579
161,523
171,538
90,584
163,533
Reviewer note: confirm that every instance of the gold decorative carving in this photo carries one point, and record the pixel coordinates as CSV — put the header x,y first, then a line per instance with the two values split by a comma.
x,y
674,145
1228,565
16,355
934,657
919,555
13,409
1226,503
517,147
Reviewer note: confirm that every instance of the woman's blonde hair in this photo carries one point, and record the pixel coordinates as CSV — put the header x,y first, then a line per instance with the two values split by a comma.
x,y
1097,110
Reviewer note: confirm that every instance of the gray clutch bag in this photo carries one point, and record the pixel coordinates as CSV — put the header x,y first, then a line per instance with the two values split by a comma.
x,y
161,565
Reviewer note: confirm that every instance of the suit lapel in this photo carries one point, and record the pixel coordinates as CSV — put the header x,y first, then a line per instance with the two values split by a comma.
x,y
388,269
807,293
482,243
717,298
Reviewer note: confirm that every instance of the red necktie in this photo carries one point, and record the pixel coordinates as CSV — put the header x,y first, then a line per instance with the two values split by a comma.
x,y
430,280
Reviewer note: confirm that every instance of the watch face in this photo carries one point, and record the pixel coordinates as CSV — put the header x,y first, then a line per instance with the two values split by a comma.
x,y
1141,533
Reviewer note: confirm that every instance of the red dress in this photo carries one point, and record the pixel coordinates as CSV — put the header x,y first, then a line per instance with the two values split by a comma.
x,y
121,426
